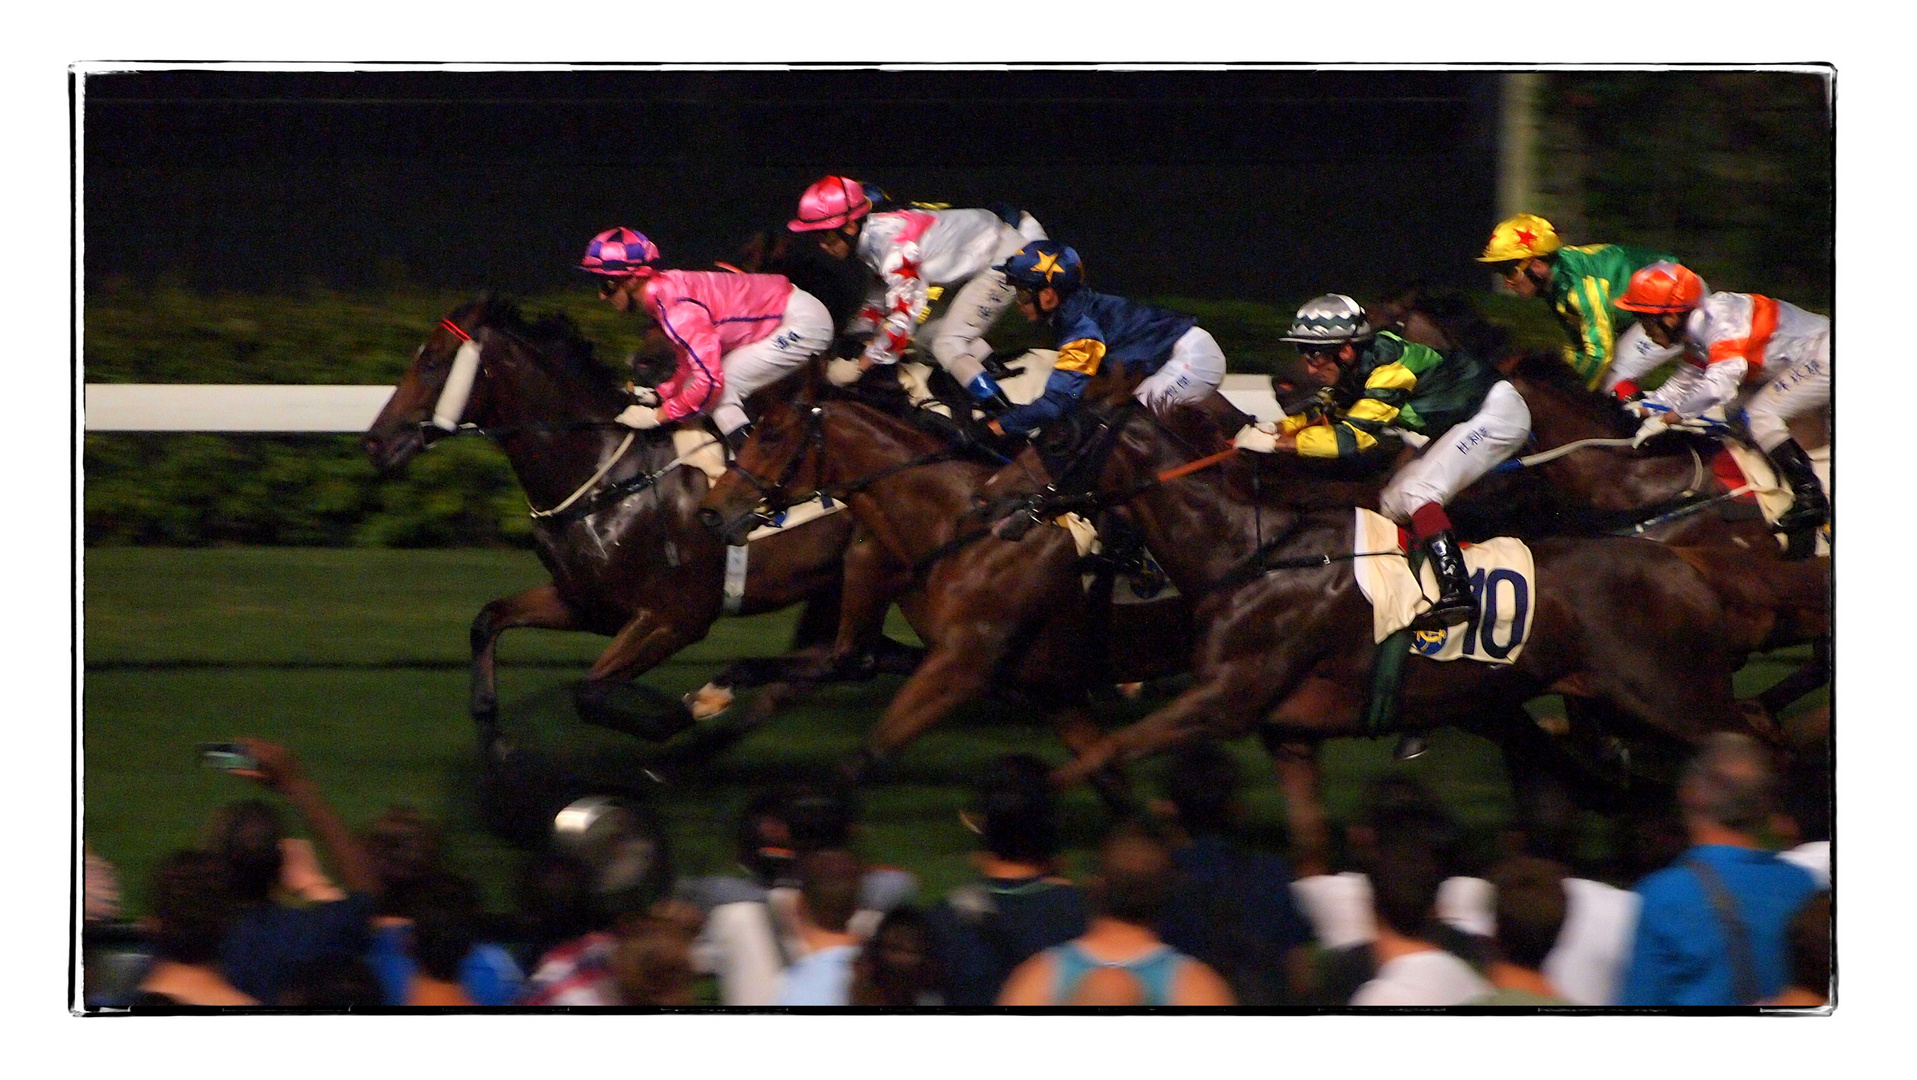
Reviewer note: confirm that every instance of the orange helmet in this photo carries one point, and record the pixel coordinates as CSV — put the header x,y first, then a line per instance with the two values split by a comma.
x,y
1662,288
1526,236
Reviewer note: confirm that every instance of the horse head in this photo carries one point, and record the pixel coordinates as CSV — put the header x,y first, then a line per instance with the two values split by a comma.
x,y
485,365
777,464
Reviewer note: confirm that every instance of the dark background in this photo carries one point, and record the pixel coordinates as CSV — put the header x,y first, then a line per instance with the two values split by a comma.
x,y
1252,184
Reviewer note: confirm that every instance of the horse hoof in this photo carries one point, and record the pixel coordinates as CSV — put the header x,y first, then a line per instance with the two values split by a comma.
x,y
708,701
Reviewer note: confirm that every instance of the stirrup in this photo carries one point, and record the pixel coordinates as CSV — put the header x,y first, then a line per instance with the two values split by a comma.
x,y
1439,615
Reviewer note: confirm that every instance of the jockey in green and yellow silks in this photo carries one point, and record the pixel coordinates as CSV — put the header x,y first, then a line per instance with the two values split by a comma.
x,y
1583,285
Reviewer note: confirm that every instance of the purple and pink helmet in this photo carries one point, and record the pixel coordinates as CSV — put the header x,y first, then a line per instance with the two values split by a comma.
x,y
830,203
619,253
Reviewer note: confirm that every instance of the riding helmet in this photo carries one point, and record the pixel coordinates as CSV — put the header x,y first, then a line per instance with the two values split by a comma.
x,y
1331,319
1045,263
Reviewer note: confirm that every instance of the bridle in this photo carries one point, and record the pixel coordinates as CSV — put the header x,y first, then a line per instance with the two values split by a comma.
x,y
773,493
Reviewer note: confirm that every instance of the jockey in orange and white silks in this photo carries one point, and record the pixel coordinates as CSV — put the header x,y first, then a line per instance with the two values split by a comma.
x,y
1772,357
731,334
913,250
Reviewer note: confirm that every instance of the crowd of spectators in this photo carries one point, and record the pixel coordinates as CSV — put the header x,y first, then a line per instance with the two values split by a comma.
x,y
1720,900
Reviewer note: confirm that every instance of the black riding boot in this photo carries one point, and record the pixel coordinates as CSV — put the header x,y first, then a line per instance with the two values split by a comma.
x,y
736,438
995,403
1454,603
1809,507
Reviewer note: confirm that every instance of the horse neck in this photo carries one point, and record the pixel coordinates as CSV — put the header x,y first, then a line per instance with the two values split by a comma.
x,y
533,404
1604,479
917,509
1201,529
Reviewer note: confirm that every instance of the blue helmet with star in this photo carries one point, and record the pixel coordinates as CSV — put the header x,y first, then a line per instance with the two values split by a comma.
x,y
1044,263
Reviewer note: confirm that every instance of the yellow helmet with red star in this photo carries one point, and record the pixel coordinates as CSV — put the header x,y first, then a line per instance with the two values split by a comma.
x,y
1526,236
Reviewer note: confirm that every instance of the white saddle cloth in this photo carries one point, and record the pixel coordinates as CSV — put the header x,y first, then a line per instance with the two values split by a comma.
x,y
1502,576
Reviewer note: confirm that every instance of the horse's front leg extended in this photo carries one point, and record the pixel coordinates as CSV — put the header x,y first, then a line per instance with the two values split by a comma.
x,y
1226,702
539,607
954,672
606,699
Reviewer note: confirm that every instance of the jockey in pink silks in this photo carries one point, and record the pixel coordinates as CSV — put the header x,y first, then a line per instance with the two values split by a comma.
x,y
731,334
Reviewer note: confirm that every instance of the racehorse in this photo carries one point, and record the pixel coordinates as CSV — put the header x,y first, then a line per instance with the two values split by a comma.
x,y
989,608
613,519
1285,634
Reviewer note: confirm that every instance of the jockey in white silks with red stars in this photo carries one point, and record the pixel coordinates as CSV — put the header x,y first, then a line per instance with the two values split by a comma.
x,y
912,250
731,334
1771,356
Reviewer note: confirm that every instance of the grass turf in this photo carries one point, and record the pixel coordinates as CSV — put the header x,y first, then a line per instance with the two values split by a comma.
x,y
355,660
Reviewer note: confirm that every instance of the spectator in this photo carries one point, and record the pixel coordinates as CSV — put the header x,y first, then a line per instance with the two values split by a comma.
x,y
652,964
191,909
1109,988
895,969
269,939
445,919
1805,825
751,927
828,897
1129,894
1411,970
569,935
1810,957
1712,928
1020,906
1230,908
101,888
1531,904
403,845
335,982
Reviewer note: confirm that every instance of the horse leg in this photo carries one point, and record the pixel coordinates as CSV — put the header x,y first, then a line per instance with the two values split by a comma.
x,y
1296,764
1076,728
1217,705
538,607
642,644
954,672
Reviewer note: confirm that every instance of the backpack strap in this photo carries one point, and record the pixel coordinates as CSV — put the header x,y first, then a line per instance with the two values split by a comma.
x,y
1743,970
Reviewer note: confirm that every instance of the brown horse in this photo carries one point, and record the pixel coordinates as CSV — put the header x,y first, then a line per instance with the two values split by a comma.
x,y
991,609
1285,634
614,521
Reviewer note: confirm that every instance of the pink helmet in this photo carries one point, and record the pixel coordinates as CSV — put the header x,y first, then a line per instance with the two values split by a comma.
x,y
619,253
830,203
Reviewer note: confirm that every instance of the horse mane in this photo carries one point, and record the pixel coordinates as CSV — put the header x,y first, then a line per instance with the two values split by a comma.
x,y
1545,371
554,336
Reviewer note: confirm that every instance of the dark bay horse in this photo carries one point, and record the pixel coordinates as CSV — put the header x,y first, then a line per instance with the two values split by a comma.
x,y
990,608
637,566
1288,651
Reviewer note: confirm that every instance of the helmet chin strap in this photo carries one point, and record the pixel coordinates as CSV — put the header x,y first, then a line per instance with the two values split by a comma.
x,y
459,385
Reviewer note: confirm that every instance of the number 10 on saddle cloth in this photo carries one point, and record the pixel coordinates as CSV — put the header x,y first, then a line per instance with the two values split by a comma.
x,y
1502,578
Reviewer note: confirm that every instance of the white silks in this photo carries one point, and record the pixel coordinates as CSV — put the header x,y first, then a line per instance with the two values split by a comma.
x,y
459,387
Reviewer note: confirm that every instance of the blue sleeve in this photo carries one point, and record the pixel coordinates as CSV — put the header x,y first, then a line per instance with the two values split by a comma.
x,y
1061,391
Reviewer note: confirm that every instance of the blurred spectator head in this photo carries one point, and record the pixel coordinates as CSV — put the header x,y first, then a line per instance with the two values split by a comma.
x,y
821,816
1015,813
245,836
765,840
191,906
1809,939
335,982
1400,806
1134,874
446,910
896,966
554,894
1729,783
1202,784
404,848
1109,987
1531,905
652,964
829,888
1404,884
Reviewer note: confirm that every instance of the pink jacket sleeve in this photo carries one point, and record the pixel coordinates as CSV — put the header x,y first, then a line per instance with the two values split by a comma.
x,y
696,384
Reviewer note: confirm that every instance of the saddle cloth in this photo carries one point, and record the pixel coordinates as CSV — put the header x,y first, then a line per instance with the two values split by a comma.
x,y
1503,578
1034,367
1741,466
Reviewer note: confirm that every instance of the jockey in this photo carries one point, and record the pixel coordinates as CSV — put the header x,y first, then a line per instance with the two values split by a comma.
x,y
1183,362
1582,284
912,250
731,334
1772,356
1470,418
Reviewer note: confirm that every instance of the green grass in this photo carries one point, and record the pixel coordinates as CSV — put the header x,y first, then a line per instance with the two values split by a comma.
x,y
355,660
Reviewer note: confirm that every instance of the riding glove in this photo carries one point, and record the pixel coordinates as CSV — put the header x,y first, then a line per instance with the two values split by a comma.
x,y
639,416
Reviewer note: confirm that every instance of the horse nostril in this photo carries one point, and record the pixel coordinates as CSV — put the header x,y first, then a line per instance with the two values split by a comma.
x,y
711,519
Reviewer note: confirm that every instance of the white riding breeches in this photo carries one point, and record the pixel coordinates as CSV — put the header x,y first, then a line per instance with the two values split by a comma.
x,y
1451,461
957,337
804,332
1799,388
1196,367
1635,355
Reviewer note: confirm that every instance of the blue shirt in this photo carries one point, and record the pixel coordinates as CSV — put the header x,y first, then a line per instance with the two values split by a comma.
x,y
268,943
820,978
1680,955
984,930
1092,328
1232,910
488,974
